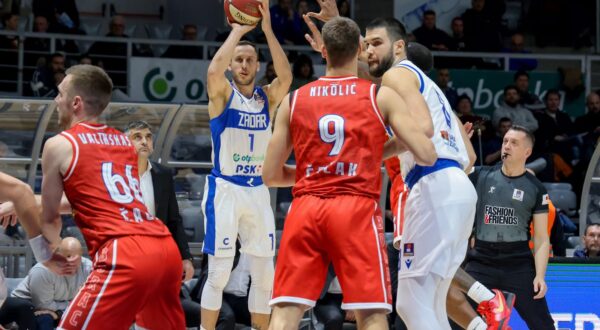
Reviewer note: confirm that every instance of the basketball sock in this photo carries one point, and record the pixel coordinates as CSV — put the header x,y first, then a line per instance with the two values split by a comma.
x,y
203,328
479,293
477,324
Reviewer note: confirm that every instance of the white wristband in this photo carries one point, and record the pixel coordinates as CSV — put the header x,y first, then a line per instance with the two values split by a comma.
x,y
41,248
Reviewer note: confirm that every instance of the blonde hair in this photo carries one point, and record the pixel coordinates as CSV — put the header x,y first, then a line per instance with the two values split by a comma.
x,y
92,84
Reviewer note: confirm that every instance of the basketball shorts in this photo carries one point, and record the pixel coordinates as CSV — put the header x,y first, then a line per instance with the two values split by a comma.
x,y
134,279
344,230
398,197
439,216
232,211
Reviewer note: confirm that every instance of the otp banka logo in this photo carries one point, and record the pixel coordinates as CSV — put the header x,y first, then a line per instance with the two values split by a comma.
x,y
159,87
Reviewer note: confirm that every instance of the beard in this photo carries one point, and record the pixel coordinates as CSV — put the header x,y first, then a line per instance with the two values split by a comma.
x,y
384,65
244,82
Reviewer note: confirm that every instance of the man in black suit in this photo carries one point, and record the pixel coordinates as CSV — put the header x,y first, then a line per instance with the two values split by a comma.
x,y
158,191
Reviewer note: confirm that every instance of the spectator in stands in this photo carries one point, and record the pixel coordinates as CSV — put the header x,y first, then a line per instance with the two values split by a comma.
x,y
85,59
591,242
303,72
526,98
344,8
62,15
443,80
430,36
303,7
286,23
9,46
464,111
11,24
112,56
493,146
158,190
458,35
517,46
481,28
50,293
269,75
555,128
589,125
43,82
514,111
36,47
190,33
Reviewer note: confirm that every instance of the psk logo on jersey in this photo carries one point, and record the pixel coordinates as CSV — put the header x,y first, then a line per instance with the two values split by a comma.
x,y
518,195
409,250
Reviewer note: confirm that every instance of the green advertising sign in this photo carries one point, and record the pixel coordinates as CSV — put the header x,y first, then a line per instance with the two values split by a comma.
x,y
486,88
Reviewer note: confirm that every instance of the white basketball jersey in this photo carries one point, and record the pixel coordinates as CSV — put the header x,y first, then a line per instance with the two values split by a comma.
x,y
240,136
446,138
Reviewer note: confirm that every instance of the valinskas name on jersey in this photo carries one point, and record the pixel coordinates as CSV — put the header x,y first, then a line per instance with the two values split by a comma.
x,y
498,215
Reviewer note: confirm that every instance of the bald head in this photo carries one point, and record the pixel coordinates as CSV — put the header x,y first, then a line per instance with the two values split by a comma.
x,y
70,246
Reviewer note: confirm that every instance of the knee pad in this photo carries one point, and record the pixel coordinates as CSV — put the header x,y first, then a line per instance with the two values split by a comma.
x,y
262,272
219,270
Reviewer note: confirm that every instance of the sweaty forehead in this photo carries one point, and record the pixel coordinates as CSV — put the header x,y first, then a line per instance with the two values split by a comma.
x,y
245,51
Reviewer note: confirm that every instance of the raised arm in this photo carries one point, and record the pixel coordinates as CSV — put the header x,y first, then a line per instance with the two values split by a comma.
x,y
217,86
275,172
405,83
405,128
280,85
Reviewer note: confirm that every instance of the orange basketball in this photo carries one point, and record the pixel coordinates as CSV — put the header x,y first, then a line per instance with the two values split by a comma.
x,y
242,11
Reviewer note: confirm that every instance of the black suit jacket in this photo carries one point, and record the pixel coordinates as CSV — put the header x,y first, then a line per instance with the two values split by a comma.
x,y
166,206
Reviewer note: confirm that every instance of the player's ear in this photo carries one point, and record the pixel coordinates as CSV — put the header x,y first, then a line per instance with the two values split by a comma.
x,y
257,67
399,47
323,52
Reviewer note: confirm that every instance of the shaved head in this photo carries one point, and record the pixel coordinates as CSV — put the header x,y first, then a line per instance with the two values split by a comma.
x,y
70,246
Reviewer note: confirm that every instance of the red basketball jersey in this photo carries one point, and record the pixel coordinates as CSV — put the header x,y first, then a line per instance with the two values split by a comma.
x,y
338,135
103,186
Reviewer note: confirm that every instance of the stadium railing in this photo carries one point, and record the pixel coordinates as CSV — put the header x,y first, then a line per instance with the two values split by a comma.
x,y
588,64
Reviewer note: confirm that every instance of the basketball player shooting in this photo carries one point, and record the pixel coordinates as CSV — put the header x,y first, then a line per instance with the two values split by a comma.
x,y
236,203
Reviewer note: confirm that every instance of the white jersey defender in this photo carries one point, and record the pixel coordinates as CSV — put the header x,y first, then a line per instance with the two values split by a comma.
x,y
235,200
439,215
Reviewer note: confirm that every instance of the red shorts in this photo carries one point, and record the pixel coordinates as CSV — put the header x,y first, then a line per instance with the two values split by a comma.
x,y
134,279
344,230
398,197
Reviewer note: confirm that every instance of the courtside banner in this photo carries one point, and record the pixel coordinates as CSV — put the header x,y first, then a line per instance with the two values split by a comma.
x,y
486,88
573,297
167,80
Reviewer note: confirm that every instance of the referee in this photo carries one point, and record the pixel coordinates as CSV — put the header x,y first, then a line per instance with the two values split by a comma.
x,y
508,198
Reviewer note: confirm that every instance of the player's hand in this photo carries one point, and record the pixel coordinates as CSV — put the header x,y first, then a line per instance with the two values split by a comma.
x,y
314,38
60,264
266,15
539,287
46,311
7,214
240,28
469,129
188,270
328,11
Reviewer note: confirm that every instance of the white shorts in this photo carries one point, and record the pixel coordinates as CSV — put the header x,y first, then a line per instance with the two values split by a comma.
x,y
438,221
230,211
